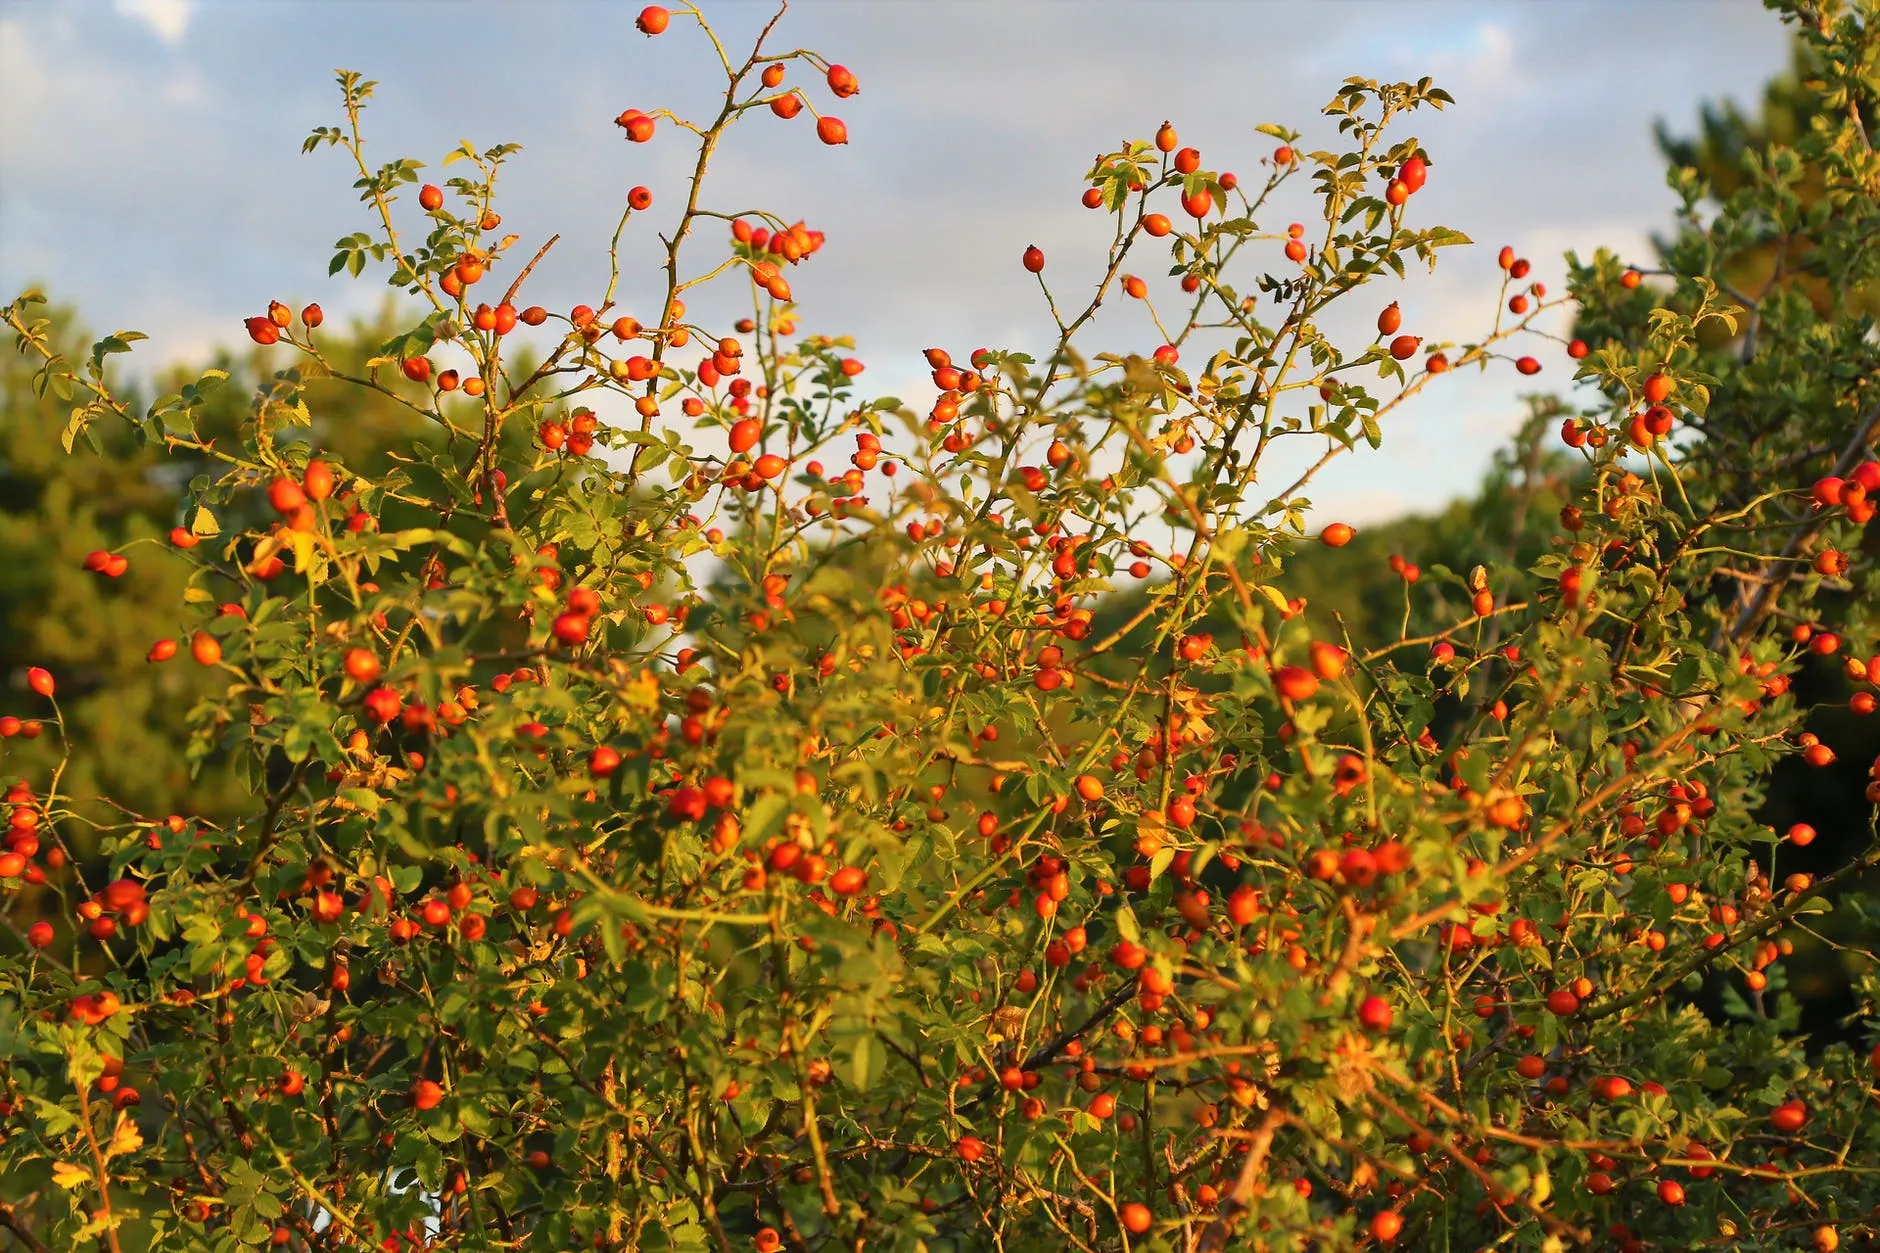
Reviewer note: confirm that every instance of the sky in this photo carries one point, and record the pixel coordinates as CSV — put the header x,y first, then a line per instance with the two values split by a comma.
x,y
151,172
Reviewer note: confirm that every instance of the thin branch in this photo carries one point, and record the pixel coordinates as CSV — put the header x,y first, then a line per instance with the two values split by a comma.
x,y
1755,605
1239,1198
510,295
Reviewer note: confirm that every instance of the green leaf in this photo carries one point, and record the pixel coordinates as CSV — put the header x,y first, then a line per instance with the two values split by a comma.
x,y
1373,433
1159,864
865,1059
362,798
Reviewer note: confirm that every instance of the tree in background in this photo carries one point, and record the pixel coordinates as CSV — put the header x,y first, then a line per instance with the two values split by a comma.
x,y
1733,152
97,627
1760,209
1768,200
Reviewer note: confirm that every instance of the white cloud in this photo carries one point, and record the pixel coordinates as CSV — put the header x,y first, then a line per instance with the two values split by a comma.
x,y
953,168
168,18
185,91
1489,66
20,67
1375,505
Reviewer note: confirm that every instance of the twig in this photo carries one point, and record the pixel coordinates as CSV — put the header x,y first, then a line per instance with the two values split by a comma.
x,y
510,295
12,1224
1755,605
1705,957
97,1157
1043,1054
1239,1198
1494,1190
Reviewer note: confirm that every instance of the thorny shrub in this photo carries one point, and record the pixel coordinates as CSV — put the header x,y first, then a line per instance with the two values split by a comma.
x,y
787,847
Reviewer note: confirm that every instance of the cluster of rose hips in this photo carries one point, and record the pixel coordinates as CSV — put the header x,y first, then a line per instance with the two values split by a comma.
x,y
39,682
654,20
761,248
267,330
1858,493
27,857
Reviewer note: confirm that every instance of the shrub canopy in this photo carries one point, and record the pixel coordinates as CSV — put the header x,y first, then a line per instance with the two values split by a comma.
x,y
741,818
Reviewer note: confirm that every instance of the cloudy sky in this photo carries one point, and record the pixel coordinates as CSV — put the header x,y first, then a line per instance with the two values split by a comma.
x,y
150,165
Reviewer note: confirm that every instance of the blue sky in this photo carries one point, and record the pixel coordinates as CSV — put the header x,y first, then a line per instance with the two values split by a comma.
x,y
150,165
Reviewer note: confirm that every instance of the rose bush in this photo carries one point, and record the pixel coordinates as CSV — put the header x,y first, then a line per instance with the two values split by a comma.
x,y
793,846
